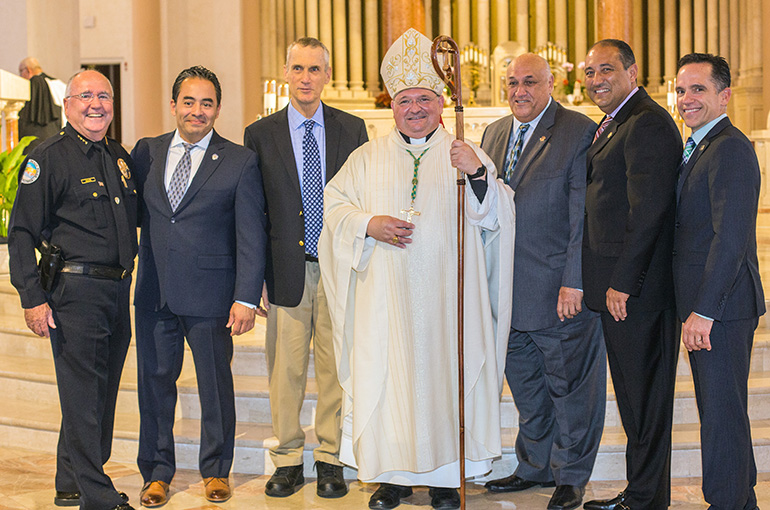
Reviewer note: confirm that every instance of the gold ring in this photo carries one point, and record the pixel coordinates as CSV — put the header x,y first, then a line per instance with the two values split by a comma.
x,y
394,240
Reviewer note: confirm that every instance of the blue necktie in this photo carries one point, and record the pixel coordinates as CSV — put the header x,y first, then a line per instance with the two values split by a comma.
x,y
514,152
312,189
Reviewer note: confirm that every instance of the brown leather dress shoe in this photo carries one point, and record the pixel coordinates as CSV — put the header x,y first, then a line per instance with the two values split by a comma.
x,y
154,493
217,489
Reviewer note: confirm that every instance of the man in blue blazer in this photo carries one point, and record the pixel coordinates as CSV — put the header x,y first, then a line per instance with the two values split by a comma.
x,y
201,266
719,294
555,365
300,148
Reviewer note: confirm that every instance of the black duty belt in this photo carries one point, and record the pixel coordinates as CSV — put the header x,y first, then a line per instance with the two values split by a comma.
x,y
310,258
113,273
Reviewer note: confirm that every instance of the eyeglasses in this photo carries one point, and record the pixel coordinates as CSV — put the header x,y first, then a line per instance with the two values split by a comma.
x,y
421,101
88,97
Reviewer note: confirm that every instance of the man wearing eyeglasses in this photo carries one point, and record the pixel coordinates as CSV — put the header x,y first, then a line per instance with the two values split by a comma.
x,y
388,256
77,204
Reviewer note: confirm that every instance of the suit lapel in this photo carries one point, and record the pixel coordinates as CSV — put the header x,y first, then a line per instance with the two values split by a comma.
x,y
282,140
613,126
333,132
500,145
158,159
697,153
537,141
211,160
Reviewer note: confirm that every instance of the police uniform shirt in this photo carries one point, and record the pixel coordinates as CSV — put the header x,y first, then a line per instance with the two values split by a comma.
x,y
63,196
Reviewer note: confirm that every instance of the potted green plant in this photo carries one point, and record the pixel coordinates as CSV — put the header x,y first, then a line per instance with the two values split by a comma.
x,y
10,161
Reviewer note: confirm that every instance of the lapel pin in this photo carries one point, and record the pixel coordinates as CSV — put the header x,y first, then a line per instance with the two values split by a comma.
x,y
702,147
214,157
609,135
542,138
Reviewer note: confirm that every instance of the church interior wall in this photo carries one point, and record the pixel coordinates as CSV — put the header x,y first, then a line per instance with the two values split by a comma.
x,y
243,43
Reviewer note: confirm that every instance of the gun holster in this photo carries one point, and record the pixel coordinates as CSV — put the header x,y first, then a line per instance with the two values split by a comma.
x,y
51,261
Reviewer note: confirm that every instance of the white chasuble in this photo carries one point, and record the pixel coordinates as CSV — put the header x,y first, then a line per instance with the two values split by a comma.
x,y
394,313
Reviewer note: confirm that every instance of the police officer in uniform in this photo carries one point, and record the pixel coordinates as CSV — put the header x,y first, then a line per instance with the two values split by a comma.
x,y
77,203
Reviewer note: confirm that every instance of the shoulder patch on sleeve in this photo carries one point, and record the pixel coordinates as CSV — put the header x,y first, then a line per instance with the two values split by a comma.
x,y
31,172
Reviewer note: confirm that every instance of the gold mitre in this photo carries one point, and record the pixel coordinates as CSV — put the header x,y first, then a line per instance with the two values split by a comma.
x,y
407,65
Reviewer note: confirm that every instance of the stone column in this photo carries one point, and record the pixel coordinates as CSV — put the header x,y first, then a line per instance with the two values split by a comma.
x,y
300,13
325,24
685,27
267,40
541,22
482,24
428,4
640,50
311,18
501,22
340,52
765,62
560,13
616,19
522,24
356,46
371,27
700,28
653,45
280,33
670,55
581,31
291,29
463,22
736,29
397,16
724,27
712,20
445,17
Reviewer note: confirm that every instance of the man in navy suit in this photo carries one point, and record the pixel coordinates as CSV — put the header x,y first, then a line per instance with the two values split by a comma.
x,y
555,364
300,148
716,278
201,266
627,276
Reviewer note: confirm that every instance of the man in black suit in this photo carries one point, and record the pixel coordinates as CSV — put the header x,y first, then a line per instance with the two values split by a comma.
x,y
556,362
719,294
201,264
627,245
300,148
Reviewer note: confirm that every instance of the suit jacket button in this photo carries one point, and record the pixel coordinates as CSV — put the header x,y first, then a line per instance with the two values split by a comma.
x,y
173,219
673,253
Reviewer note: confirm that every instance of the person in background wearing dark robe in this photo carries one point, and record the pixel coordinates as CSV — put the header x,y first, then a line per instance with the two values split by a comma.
x,y
43,115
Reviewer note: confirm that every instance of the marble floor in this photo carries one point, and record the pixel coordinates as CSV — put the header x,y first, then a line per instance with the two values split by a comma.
x,y
26,483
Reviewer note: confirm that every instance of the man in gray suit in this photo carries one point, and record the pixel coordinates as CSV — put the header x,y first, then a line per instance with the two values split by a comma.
x,y
555,365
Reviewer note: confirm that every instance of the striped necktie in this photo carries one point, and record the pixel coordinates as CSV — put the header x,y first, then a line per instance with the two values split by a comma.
x,y
688,148
178,186
515,152
602,127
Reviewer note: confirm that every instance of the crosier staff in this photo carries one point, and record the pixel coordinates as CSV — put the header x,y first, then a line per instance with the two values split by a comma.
x,y
449,72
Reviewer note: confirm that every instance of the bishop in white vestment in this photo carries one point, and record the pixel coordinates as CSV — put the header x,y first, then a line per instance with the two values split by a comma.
x,y
388,256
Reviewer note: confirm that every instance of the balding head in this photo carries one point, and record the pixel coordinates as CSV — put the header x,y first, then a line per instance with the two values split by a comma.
x,y
29,67
530,83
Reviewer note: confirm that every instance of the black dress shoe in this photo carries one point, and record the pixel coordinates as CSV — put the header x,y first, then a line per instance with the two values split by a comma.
x,y
615,503
444,499
63,498
566,497
514,483
284,481
389,496
331,483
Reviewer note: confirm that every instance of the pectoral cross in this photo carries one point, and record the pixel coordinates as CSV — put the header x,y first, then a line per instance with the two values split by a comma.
x,y
409,213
